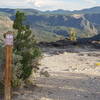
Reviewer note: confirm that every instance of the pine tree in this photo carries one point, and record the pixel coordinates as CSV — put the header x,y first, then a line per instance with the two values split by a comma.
x,y
25,47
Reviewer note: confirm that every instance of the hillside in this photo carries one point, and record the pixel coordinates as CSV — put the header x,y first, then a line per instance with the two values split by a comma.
x,y
59,24
94,10
5,23
55,25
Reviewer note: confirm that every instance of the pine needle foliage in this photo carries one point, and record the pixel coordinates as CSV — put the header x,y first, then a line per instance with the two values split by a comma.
x,y
25,48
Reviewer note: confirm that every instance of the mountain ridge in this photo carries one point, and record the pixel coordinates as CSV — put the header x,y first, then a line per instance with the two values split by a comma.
x,y
58,11
48,26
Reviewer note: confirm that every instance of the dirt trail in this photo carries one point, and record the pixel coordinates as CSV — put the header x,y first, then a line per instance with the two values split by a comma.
x,y
73,76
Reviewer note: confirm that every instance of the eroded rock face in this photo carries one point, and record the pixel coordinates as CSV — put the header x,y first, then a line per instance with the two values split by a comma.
x,y
5,24
78,21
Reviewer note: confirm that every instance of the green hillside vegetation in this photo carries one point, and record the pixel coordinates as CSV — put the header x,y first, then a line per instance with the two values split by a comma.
x,y
54,25
40,34
45,36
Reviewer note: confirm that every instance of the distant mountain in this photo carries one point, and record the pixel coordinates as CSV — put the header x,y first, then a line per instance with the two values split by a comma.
x,y
7,10
59,11
54,25
59,24
93,10
10,12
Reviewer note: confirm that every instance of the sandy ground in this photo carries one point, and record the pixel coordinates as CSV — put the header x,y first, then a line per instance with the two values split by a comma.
x,y
74,75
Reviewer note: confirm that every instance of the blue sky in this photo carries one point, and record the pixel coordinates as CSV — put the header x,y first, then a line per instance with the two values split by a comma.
x,y
50,4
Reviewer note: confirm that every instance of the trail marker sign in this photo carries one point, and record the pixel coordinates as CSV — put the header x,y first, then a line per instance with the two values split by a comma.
x,y
8,65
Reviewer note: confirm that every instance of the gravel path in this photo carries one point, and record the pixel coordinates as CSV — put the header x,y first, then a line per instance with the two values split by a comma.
x,y
74,75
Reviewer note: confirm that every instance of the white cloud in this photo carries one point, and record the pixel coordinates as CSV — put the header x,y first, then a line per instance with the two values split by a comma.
x,y
41,3
61,4
49,4
13,4
91,1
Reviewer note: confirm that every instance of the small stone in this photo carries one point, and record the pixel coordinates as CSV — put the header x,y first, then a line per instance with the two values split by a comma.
x,y
86,96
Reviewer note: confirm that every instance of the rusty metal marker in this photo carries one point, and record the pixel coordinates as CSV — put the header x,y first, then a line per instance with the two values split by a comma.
x,y
8,65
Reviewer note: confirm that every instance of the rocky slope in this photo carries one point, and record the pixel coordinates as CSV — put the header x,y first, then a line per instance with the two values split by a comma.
x,y
54,25
80,23
5,24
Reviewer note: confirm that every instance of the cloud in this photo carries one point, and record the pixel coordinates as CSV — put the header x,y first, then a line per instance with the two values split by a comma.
x,y
49,4
61,4
41,3
14,4
90,1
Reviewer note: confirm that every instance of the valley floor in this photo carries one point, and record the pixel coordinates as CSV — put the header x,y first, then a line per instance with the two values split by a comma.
x,y
74,75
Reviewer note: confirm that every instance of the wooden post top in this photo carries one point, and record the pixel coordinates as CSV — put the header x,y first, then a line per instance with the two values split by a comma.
x,y
9,32
8,38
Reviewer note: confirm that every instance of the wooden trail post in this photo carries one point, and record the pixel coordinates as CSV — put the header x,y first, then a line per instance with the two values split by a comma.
x,y
8,65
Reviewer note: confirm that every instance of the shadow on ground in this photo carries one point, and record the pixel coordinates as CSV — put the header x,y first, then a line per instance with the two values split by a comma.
x,y
63,86
62,46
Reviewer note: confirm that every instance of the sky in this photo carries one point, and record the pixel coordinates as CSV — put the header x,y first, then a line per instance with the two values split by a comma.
x,y
50,4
